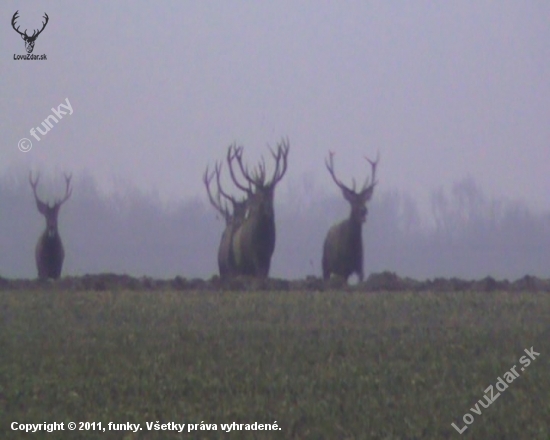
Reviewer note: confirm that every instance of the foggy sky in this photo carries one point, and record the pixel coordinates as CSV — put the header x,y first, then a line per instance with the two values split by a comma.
x,y
160,89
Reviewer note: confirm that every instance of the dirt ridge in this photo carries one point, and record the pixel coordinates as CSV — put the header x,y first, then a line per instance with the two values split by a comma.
x,y
376,282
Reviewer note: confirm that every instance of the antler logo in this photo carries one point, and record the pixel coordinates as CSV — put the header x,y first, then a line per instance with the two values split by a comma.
x,y
29,40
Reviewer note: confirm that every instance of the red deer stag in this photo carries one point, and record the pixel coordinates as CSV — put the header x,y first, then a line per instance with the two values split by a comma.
x,y
49,249
343,247
254,240
233,219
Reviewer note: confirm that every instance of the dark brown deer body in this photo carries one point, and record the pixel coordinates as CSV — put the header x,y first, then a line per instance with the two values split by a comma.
x,y
49,251
343,246
254,240
233,219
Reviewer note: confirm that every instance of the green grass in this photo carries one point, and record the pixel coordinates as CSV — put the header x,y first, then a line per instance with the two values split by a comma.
x,y
328,365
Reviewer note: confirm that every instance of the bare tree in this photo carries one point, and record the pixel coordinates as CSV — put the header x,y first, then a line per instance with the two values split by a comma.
x,y
233,219
49,252
343,246
254,241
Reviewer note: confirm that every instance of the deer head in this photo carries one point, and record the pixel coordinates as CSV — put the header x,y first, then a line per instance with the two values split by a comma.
x,y
239,207
357,199
261,198
29,40
254,240
50,212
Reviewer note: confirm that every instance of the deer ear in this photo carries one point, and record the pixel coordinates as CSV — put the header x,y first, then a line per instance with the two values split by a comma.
x,y
41,207
367,194
348,194
22,36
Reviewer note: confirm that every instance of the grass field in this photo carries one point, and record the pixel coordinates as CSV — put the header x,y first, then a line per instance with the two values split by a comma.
x,y
327,365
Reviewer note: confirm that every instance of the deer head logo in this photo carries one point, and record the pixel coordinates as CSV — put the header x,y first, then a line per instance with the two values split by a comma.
x,y
29,40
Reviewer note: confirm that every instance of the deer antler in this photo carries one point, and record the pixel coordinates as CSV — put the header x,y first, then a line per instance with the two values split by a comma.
x,y
235,152
229,197
258,175
13,20
36,32
34,183
39,203
253,179
369,185
330,167
282,153
68,190
207,179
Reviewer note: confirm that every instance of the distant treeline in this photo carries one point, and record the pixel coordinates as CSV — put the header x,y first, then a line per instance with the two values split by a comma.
x,y
467,235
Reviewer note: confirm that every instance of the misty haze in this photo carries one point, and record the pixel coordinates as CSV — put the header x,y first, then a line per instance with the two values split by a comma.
x,y
467,234
325,220
454,97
